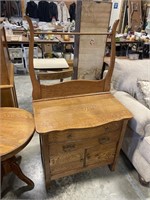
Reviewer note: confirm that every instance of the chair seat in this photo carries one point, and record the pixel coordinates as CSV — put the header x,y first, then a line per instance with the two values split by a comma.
x,y
50,63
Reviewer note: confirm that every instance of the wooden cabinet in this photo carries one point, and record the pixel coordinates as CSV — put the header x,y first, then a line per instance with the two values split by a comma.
x,y
79,133
71,151
83,152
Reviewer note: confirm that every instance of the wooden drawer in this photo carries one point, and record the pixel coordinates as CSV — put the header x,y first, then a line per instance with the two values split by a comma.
x,y
101,155
79,134
66,161
57,148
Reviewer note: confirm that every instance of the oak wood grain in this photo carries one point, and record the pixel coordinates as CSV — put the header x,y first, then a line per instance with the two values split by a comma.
x,y
66,161
16,130
79,132
77,112
73,145
80,124
83,134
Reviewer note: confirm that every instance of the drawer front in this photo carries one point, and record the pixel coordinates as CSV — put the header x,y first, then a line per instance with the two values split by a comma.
x,y
101,155
66,161
65,147
79,134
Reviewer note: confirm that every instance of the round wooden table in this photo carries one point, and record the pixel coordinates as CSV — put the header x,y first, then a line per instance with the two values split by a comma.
x,y
16,131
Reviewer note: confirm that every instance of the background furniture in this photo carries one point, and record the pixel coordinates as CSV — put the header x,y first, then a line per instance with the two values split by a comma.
x,y
89,50
26,55
91,57
131,79
17,128
74,87
46,64
17,58
53,69
135,15
7,86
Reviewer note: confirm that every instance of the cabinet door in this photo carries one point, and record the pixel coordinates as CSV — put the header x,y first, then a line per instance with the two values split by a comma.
x,y
66,161
101,155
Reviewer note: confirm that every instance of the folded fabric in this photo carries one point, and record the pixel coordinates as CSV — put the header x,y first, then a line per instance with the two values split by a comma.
x,y
144,88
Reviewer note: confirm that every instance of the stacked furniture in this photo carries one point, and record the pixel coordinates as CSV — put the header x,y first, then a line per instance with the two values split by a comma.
x,y
7,85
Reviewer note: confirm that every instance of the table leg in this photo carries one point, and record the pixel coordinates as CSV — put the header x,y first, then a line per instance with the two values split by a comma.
x,y
11,165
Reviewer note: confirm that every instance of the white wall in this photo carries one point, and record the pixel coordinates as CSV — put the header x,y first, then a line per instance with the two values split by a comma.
x,y
116,11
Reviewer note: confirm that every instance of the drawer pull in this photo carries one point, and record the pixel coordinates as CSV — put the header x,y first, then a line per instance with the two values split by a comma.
x,y
68,147
106,128
69,136
104,140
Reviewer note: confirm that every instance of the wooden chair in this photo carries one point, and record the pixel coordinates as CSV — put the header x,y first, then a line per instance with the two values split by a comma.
x,y
7,86
73,87
45,73
55,75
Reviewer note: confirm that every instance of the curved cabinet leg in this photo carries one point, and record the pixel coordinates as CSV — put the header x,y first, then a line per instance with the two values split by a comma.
x,y
143,182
